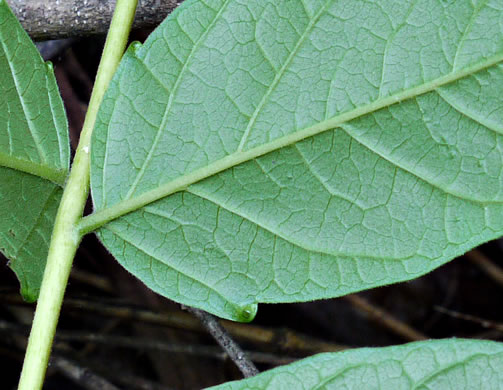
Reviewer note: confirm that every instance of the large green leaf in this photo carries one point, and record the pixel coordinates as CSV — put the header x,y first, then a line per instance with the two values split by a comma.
x,y
279,151
34,153
427,365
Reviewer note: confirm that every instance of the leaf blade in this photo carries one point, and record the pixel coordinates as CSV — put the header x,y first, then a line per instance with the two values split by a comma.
x,y
25,232
29,89
271,167
434,364
34,153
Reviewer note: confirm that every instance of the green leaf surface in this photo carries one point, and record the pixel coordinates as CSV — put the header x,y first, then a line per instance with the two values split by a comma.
x,y
426,365
281,151
34,153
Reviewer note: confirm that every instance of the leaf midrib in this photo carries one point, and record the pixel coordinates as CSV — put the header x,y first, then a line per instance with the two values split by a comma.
x,y
279,75
101,217
42,169
57,176
15,81
171,99
38,219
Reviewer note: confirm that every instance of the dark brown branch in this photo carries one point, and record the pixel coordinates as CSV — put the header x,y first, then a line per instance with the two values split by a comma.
x,y
386,319
55,19
236,354
488,324
486,265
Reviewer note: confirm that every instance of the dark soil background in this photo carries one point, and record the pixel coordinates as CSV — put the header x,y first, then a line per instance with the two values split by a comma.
x,y
116,329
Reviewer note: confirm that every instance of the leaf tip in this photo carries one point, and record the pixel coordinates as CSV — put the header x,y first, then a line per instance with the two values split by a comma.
x,y
28,294
247,313
27,290
48,65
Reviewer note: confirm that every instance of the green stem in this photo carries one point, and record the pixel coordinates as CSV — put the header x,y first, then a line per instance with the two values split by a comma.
x,y
65,237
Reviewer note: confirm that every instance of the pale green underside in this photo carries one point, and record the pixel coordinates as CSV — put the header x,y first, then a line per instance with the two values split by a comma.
x,y
34,153
374,132
427,365
28,208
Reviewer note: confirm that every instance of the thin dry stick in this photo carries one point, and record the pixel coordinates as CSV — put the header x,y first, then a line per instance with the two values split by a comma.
x,y
152,344
221,336
56,19
131,381
81,375
285,339
486,265
99,367
386,319
92,279
108,328
468,317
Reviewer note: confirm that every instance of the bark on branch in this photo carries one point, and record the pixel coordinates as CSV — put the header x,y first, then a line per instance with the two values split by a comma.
x,y
56,19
